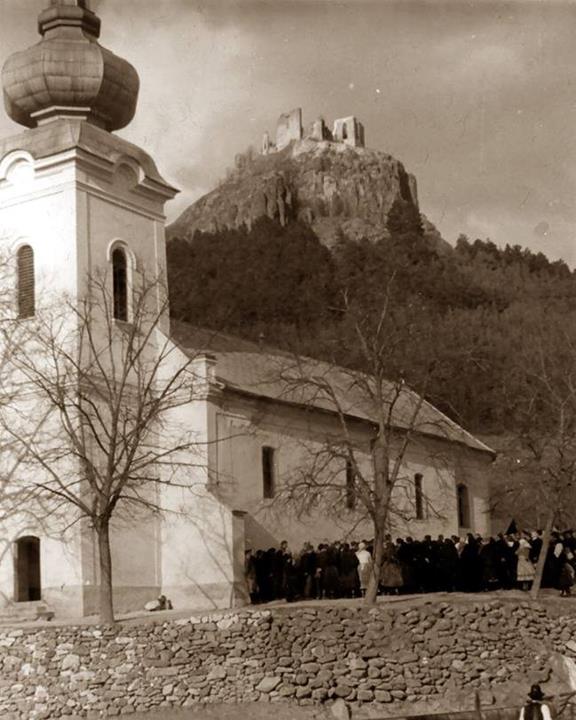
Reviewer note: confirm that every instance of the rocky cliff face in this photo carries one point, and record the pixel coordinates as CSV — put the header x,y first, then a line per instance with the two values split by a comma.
x,y
331,186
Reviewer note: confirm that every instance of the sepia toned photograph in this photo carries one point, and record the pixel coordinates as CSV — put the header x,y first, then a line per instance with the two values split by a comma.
x,y
288,359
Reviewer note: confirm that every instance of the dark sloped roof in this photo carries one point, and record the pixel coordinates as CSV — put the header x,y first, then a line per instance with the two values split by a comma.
x,y
247,367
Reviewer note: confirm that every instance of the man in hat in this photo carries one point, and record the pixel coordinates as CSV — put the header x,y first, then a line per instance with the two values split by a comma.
x,y
535,708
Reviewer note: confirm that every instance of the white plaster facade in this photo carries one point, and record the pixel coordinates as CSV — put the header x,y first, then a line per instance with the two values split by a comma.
x,y
71,191
250,411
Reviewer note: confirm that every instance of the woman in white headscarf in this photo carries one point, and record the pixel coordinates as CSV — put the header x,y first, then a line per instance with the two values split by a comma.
x,y
364,567
525,571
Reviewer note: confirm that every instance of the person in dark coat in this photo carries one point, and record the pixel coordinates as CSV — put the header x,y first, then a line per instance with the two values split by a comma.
x,y
330,574
405,557
569,541
489,567
391,579
419,563
260,568
321,562
283,554
566,577
470,567
553,562
307,569
448,561
269,562
535,708
502,561
513,542
290,578
535,546
428,564
354,546
348,571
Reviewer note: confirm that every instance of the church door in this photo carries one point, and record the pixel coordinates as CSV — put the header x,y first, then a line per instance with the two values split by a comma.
x,y
27,585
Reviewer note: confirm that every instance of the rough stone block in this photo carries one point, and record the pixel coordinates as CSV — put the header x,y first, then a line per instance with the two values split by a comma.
x,y
268,684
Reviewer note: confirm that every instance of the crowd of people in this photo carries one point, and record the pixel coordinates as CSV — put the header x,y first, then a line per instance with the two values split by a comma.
x,y
470,564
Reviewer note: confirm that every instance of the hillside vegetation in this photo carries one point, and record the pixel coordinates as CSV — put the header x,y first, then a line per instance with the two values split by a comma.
x,y
466,312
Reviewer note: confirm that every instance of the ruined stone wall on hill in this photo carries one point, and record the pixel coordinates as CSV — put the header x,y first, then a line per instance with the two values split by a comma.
x,y
435,657
332,187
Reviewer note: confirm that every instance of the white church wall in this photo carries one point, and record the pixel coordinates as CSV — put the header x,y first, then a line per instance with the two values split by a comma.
x,y
60,566
43,516
71,228
42,216
199,551
296,436
201,538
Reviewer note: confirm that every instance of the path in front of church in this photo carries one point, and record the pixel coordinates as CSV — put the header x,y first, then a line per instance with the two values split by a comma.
x,y
246,711
400,601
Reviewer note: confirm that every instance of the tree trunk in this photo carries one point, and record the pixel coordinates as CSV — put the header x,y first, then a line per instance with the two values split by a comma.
x,y
374,584
537,582
106,605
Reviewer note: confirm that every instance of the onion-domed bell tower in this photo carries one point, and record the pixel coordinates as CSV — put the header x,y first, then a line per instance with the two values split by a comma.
x,y
76,202
74,198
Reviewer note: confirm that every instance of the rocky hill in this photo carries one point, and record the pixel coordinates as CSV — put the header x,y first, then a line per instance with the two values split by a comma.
x,y
331,186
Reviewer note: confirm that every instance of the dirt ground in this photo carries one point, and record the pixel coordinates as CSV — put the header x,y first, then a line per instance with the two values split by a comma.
x,y
548,597
247,711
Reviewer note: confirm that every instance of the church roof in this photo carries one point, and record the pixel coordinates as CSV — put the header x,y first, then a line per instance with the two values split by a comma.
x,y
248,368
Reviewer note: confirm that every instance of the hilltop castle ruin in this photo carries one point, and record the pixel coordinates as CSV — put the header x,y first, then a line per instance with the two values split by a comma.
x,y
347,130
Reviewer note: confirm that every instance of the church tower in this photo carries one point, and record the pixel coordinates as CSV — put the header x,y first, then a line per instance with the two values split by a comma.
x,y
76,201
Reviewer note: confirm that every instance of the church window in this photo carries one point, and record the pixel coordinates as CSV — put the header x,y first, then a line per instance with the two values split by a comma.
x,y
344,132
268,479
27,582
463,506
418,497
25,272
350,486
120,284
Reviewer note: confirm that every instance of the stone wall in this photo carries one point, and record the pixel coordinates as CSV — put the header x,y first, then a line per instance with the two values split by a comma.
x,y
433,656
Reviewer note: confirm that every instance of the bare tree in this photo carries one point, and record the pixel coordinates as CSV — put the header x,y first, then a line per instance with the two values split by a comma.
x,y
378,398
92,422
538,467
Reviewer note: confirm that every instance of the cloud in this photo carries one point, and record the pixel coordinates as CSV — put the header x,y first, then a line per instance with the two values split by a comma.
x,y
478,100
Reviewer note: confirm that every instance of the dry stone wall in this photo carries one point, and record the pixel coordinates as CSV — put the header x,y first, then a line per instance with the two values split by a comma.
x,y
436,655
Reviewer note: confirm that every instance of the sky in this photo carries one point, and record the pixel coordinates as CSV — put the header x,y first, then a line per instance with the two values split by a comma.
x,y
476,99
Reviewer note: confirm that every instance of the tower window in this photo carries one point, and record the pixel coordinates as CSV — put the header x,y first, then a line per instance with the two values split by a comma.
x,y
25,272
268,479
120,284
350,486
418,497
463,506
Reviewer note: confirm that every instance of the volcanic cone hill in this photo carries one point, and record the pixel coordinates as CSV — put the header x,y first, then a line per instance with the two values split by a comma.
x,y
335,187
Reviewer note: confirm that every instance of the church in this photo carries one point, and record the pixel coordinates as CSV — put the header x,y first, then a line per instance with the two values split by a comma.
x,y
77,201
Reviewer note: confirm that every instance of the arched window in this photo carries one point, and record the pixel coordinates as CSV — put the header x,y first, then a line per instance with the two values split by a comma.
x,y
463,506
25,282
120,284
418,497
